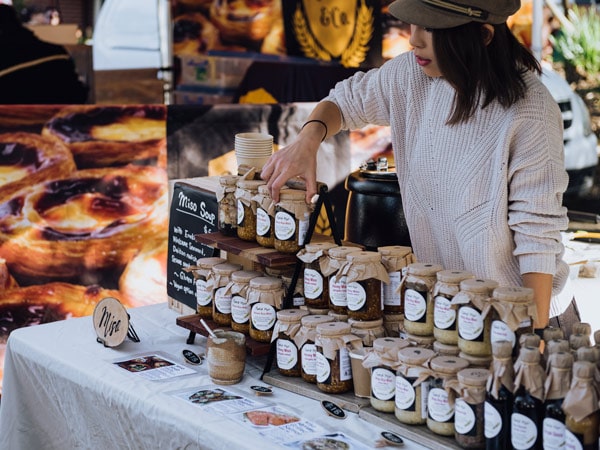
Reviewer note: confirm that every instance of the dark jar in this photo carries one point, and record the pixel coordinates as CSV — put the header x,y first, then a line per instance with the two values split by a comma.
x,y
469,408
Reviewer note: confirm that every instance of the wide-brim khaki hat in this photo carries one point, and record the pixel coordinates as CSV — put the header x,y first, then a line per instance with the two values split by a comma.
x,y
448,14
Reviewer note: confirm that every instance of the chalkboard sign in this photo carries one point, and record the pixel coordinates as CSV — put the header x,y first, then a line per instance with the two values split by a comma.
x,y
193,211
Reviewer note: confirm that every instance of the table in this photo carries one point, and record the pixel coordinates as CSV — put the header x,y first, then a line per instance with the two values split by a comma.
x,y
61,391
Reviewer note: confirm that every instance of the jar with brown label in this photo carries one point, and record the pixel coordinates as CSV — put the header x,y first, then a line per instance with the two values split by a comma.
x,y
221,306
287,347
395,259
292,215
367,330
474,318
240,308
412,387
447,285
364,274
469,408
246,208
265,217
316,289
513,316
305,339
336,258
227,205
334,369
265,295
204,290
442,392
418,298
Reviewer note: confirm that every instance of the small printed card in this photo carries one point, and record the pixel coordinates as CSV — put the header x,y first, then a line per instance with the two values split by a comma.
x,y
154,367
217,399
337,441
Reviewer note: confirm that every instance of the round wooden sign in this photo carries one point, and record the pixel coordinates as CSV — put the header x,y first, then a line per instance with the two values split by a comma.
x,y
111,322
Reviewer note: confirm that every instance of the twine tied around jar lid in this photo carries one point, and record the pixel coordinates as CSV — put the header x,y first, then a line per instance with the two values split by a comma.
x,y
550,333
313,251
289,323
334,336
514,305
447,368
239,281
396,257
294,202
246,190
558,375
367,330
579,340
582,398
220,273
416,357
581,328
472,382
529,372
384,352
336,258
423,274
502,372
556,345
448,281
529,340
227,185
264,200
308,330
476,291
267,290
363,265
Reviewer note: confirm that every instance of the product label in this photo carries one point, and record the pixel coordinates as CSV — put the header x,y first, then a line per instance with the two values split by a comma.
x,y
337,291
323,368
501,332
464,417
415,305
345,365
438,406
240,309
405,394
389,291
263,316
492,422
470,323
309,359
240,212
383,383
203,293
302,230
222,301
356,296
313,284
298,300
263,223
444,317
523,432
287,354
573,441
553,434
285,226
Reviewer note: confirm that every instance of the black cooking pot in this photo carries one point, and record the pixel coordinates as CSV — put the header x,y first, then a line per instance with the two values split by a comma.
x,y
374,214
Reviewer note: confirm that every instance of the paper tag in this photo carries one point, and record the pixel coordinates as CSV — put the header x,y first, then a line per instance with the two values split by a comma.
x,y
333,409
111,322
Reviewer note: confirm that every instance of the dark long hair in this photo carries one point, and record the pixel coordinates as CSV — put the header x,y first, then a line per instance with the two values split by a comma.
x,y
482,72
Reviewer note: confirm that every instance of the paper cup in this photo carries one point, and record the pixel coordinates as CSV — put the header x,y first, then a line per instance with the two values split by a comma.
x,y
361,376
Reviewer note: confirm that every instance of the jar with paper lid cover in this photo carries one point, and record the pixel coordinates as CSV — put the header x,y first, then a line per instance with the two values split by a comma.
x,y
265,295
447,285
286,332
418,298
204,290
582,328
265,217
292,215
316,288
227,205
499,397
395,259
559,369
336,258
474,318
367,330
306,342
246,208
221,305
412,386
469,407
443,387
514,315
382,360
530,340
577,341
445,349
240,307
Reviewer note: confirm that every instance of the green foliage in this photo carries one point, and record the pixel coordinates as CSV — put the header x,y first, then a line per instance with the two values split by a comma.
x,y
579,43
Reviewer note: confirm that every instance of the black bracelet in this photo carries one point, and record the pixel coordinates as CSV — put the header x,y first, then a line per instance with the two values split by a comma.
x,y
317,121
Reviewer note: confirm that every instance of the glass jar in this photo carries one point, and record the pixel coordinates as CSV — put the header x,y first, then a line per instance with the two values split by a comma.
x,y
240,308
306,342
393,324
412,387
420,341
334,370
246,208
265,295
477,361
364,274
298,293
336,258
440,404
227,205
395,259
418,298
204,290
221,305
469,408
265,217
447,285
285,332
338,317
292,215
367,330
474,327
316,288
529,340
445,349
513,317
499,397
581,408
559,368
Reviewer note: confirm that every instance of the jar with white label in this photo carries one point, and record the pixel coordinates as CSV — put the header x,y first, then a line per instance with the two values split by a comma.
x,y
246,208
334,369
227,205
469,408
265,217
240,308
395,258
292,215
287,347
316,288
447,285
474,318
204,290
412,385
364,274
442,393
513,316
382,360
305,339
418,298
367,330
336,258
220,275
265,295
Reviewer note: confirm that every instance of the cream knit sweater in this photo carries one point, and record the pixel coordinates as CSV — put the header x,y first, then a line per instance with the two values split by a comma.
x,y
483,196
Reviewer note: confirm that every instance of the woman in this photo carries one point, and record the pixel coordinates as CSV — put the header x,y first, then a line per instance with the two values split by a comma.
x,y
477,144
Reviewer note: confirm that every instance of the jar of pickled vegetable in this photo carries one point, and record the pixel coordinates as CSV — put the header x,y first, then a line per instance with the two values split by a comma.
x,y
334,370
227,205
514,315
316,288
447,285
336,258
469,408
221,305
367,330
240,307
286,332
246,208
306,342
395,259
292,215
412,386
418,298
265,217
265,295
204,290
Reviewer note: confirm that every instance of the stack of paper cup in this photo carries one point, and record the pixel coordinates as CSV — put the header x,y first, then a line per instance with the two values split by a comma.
x,y
253,149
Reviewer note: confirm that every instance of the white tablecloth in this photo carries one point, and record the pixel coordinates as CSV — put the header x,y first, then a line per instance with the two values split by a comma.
x,y
61,391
